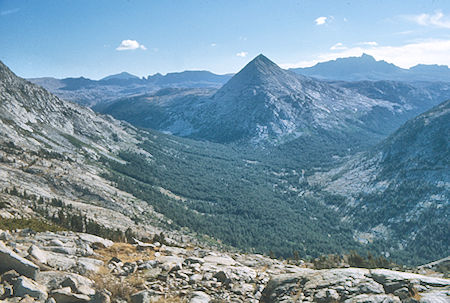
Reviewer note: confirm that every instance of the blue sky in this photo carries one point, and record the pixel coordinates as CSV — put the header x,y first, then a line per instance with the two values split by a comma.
x,y
62,38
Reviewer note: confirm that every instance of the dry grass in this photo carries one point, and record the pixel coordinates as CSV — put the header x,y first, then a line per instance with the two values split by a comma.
x,y
125,252
103,279
124,287
415,294
121,287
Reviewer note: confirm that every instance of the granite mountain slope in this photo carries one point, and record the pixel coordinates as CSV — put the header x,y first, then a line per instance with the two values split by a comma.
x,y
399,191
264,103
49,149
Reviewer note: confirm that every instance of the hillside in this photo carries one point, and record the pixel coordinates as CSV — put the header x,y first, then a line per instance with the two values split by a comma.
x,y
398,192
49,149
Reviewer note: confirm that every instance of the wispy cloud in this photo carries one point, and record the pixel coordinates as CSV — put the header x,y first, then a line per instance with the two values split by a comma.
x,y
213,44
438,19
9,11
403,33
130,45
242,54
321,20
338,46
407,55
368,43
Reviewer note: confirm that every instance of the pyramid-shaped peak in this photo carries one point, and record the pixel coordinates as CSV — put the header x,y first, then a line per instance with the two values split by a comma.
x,y
260,66
260,74
262,61
262,58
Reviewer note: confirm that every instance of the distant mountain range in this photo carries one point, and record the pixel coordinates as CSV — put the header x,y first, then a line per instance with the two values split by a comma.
x,y
264,103
367,68
91,92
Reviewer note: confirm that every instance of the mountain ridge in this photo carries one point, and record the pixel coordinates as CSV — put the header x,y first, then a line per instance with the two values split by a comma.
x,y
366,67
264,103
399,190
90,92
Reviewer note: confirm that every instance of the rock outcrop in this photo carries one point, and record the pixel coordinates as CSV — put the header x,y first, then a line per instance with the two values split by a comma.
x,y
75,268
355,285
11,260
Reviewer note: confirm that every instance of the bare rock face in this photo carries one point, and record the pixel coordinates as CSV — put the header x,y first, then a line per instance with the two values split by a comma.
x,y
354,285
144,296
65,295
24,286
11,260
442,265
200,297
38,254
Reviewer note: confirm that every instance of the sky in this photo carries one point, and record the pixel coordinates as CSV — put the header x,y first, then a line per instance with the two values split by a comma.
x,y
72,38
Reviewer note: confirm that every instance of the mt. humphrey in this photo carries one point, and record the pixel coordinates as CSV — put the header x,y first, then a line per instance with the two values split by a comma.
x,y
264,103
367,68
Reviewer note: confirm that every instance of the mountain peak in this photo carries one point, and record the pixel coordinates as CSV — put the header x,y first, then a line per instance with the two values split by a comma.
x,y
260,74
257,72
367,57
120,76
261,58
261,61
364,67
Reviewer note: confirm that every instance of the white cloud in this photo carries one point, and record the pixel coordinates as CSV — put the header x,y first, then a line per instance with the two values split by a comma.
x,y
213,44
130,45
338,46
407,55
242,54
437,19
321,20
368,43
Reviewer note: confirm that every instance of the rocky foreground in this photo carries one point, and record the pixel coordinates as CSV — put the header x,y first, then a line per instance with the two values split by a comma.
x,y
68,267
